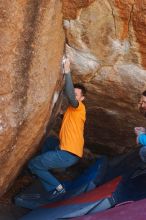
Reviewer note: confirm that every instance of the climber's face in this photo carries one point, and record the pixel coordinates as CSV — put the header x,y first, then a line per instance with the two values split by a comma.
x,y
142,105
78,94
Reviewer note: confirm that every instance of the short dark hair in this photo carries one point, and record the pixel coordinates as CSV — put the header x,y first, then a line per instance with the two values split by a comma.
x,y
144,93
81,87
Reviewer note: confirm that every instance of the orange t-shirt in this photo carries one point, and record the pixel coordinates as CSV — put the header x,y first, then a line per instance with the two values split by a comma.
x,y
72,130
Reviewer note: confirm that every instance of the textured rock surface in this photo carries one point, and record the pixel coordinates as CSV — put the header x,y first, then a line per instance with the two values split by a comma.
x,y
32,41
106,42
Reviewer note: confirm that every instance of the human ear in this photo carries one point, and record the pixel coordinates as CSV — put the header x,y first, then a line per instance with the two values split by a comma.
x,y
82,98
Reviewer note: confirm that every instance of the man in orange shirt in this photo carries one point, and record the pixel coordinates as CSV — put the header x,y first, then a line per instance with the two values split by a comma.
x,y
69,149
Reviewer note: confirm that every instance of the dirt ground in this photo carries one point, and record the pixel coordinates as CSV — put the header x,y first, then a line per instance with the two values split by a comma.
x,y
11,212
8,210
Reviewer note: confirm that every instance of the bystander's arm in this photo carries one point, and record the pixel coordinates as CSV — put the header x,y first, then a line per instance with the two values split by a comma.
x,y
142,139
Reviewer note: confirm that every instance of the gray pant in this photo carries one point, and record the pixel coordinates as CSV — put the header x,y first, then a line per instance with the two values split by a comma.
x,y
142,153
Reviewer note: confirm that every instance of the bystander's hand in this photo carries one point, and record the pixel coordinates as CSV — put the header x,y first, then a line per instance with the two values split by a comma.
x,y
139,130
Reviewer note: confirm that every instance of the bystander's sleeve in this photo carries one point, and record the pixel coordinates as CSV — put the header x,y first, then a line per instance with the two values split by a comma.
x,y
69,90
142,139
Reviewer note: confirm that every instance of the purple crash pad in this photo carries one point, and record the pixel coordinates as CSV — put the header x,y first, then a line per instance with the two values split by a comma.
x,y
130,211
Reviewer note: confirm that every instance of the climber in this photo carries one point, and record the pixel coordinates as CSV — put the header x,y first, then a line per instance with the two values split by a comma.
x,y
141,131
69,149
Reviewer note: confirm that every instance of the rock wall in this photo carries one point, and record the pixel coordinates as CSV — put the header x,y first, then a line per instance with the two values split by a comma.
x,y
106,43
32,42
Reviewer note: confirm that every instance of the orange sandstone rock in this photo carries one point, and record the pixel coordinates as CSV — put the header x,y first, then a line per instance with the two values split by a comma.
x,y
32,42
